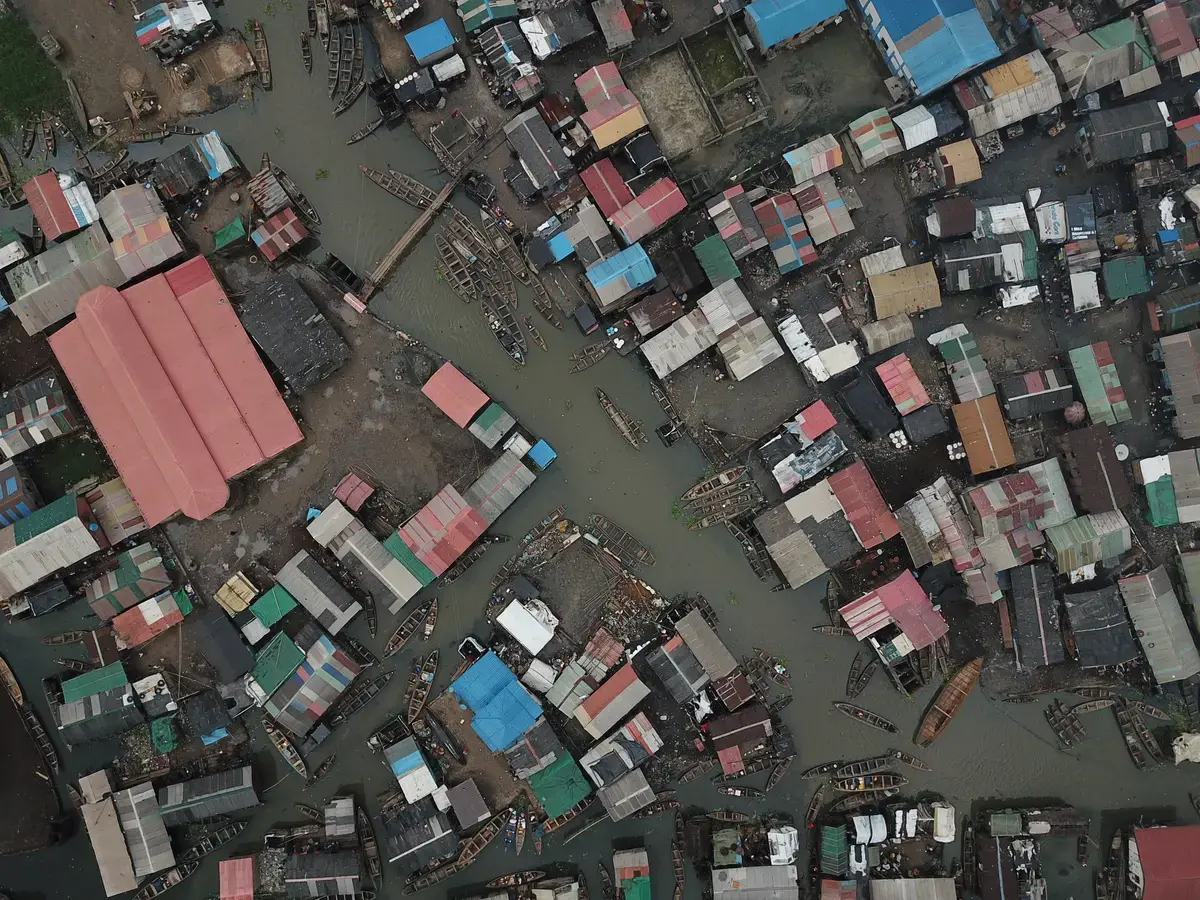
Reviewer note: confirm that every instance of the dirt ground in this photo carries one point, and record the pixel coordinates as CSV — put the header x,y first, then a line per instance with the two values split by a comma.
x,y
370,415
496,783
673,104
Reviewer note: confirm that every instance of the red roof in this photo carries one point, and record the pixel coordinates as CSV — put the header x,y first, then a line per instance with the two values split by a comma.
x,y
901,602
1170,31
816,420
606,186
237,878
174,388
604,648
134,628
1170,861
353,492
731,760
49,205
599,83
869,516
443,530
609,691
903,385
649,210
278,234
454,394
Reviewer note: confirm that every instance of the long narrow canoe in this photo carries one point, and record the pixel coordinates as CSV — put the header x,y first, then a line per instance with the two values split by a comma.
x,y
951,697
407,629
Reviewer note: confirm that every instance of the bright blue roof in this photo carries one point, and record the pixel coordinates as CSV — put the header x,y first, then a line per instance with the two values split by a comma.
x,y
409,763
560,246
632,262
962,43
509,715
483,681
429,40
778,20
542,454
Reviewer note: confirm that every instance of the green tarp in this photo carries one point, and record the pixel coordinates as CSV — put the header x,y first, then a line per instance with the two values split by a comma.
x,y
231,233
636,888
716,260
275,663
395,545
1160,495
163,736
1126,276
835,856
273,606
559,786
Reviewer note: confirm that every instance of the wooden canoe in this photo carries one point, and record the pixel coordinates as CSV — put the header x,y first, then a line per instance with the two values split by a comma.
x,y
49,139
623,544
867,766
949,699
166,881
628,427
1088,706
533,332
455,271
866,717
516,879
861,670
359,696
1147,710
753,767
305,210
773,666
1132,744
814,805
29,137
286,749
777,773
1066,724
10,683
909,760
406,630
306,48
543,302
312,813
366,131
212,841
430,620
727,815
697,770
332,38
503,325
73,665
708,485
859,800
420,685
1148,740
590,355
730,790
65,637
362,654
349,98
370,847
778,706
321,771
262,57
880,782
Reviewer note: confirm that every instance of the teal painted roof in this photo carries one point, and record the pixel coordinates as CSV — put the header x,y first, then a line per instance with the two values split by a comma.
x,y
94,682
273,605
559,786
395,545
64,509
1126,276
1160,495
276,662
716,260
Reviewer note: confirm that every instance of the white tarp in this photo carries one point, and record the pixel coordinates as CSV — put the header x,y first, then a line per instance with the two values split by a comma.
x,y
449,68
917,126
529,631
1019,295
879,834
862,829
784,844
947,334
1051,222
1004,218
1186,748
1085,291
539,676
943,823
539,39
796,338
11,254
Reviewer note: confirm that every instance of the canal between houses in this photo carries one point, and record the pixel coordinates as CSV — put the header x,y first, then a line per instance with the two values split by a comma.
x,y
991,750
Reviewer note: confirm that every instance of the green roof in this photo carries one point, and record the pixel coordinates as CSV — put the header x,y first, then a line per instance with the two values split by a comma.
x,y
559,786
489,417
64,509
636,888
716,260
8,236
273,605
1126,276
163,736
183,601
395,545
94,682
835,854
1100,385
275,663
1005,824
234,231
477,13
1160,495
1118,34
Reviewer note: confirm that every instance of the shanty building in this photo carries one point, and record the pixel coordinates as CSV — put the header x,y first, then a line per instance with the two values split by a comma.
x,y
649,211
499,486
273,665
150,618
616,698
966,367
951,217
1160,626
589,235
1037,630
1089,540
803,448
108,844
626,795
408,765
96,705
454,394
468,804
1100,628
808,534
656,311
278,234
984,435
1171,34
1009,258
220,793
615,281
1182,362
737,734
957,164
145,834
114,509
559,786
912,889
475,14
786,233
908,290
1123,133
429,543
936,529
286,325
193,167
902,384
187,404
606,186
928,43
613,113
868,409
19,496
1094,470
142,238
267,611
825,212
502,709
430,43
900,613
1036,393
756,883
732,212
679,343
625,749
47,288
771,22
317,591
315,686
614,23
678,669
34,412
1126,276
535,750
541,156
820,155
60,203
1114,53
324,873
875,136
1099,383
52,538
1163,862
219,643
744,339
1003,504
418,834
383,575
712,654
205,712
1008,93
1176,309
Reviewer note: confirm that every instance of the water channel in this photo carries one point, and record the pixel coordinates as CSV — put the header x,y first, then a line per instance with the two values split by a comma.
x,y
992,750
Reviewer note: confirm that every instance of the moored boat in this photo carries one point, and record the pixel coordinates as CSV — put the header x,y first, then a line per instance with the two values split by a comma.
x,y
49,139
606,882
510,828
775,668
697,770
439,874
861,799
968,855
502,324
10,683
814,805
482,838
28,137
366,131
740,791
370,847
286,749
777,773
620,542
212,841
909,760
1147,709
865,766
1093,692
1132,744
1148,740
406,630
834,630
866,717
515,879
629,428
543,303
363,655
590,355
306,47
539,837
311,813
350,98
262,57
656,808
45,746
305,210
522,827
1088,706
949,699
861,670
430,620
166,881
823,769
420,684
727,815
65,637
321,771
708,485
533,332
861,783
332,39
359,696
761,764
778,706
559,821
1066,724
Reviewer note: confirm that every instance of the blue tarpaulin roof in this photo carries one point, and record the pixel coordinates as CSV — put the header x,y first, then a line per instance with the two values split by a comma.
x,y
561,246
429,40
503,709
937,55
777,20
409,763
632,263
542,454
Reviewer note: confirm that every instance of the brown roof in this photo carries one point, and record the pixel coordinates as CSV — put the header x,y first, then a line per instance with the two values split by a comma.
x,y
747,725
984,435
959,163
910,290
1095,473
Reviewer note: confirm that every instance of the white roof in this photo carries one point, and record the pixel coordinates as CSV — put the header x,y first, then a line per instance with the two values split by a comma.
x,y
839,358
884,261
330,523
917,126
1085,291
796,338
943,822
1003,218
539,676
1051,222
530,633
535,33
784,844
449,68
11,254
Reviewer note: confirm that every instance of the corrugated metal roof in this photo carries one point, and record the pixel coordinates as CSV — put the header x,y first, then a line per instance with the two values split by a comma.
x,y
108,845
826,214
716,260
606,187
732,212
1182,361
32,413
147,620
499,487
93,682
968,373
700,638
1038,631
275,663
216,794
318,592
145,835
863,505
612,701
1101,628
786,232
1160,626
1008,93
626,795
649,210
1170,866
140,229
542,157
1099,384
775,21
875,136
442,530
902,384
313,688
901,602
678,669
911,289
984,434
1094,470
823,154
278,234
237,878
58,209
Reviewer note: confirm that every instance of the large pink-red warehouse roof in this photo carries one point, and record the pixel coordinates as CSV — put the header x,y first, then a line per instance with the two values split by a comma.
x,y
174,388
237,878
1170,860
649,210
442,530
606,186
902,602
454,394
599,83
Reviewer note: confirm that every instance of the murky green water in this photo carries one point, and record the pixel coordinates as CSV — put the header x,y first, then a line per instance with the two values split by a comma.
x,y
990,751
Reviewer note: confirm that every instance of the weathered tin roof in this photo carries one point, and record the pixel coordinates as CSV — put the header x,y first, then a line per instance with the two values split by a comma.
x,y
1160,626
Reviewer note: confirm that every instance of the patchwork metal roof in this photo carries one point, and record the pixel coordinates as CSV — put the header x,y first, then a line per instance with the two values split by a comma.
x,y
1160,626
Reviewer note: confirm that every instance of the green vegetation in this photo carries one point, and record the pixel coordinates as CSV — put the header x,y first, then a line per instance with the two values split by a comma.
x,y
716,60
29,82
322,174
676,510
